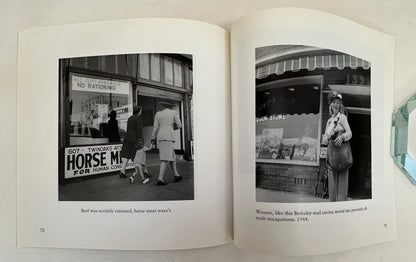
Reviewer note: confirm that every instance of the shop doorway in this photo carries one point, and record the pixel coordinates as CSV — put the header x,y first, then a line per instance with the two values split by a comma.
x,y
150,107
359,186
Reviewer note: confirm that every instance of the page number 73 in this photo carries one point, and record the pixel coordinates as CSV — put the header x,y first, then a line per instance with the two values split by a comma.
x,y
42,230
385,226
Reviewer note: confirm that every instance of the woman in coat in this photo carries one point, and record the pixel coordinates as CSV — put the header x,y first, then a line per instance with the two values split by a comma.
x,y
133,143
166,121
337,132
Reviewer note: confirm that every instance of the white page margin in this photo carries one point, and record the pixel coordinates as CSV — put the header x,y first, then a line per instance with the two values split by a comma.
x,y
205,221
323,234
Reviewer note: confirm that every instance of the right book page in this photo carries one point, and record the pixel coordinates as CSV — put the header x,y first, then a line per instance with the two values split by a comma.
x,y
312,98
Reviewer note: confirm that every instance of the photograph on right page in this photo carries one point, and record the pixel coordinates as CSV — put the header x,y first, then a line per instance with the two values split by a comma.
x,y
313,125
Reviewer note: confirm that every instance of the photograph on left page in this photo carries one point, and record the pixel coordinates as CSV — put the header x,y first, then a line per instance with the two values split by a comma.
x,y
126,128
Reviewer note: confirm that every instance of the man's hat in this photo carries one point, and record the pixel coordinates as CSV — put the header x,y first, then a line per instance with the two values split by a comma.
x,y
166,104
112,113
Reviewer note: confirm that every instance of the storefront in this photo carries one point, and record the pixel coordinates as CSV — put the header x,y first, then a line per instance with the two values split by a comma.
x,y
292,83
92,87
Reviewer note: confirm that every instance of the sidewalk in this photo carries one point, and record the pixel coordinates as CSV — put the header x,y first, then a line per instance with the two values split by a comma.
x,y
268,195
109,187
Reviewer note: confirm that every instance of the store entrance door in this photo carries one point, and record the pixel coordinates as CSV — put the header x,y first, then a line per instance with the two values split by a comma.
x,y
150,107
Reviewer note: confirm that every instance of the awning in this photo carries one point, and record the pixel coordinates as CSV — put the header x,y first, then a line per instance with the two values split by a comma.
x,y
311,63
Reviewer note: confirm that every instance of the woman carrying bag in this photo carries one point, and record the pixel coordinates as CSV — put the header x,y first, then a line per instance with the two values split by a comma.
x,y
339,157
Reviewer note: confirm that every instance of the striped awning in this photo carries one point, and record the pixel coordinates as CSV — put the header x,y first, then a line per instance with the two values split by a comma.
x,y
311,63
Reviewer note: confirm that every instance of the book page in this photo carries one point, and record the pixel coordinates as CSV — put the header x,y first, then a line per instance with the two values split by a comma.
x,y
124,136
311,103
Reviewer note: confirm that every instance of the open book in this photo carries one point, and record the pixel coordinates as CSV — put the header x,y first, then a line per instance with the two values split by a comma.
x,y
260,112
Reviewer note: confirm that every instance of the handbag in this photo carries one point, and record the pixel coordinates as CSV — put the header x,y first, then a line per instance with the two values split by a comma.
x,y
339,158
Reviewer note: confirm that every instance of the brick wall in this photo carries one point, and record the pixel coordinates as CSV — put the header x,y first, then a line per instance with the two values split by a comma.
x,y
289,178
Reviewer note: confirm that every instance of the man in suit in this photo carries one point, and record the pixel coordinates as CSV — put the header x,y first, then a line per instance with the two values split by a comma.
x,y
166,121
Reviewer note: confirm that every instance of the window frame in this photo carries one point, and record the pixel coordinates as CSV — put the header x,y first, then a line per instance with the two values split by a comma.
x,y
95,75
296,81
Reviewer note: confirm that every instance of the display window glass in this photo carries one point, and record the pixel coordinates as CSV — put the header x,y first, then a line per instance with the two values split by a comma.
x,y
122,67
288,121
155,67
177,70
91,100
144,66
168,70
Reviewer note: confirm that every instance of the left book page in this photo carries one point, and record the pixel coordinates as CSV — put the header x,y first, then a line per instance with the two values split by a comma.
x,y
124,136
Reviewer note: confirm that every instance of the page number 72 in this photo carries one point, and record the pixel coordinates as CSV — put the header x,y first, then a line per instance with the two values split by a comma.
x,y
385,225
42,230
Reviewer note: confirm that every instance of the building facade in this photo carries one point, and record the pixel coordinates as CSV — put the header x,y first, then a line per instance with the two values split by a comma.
x,y
292,84
92,87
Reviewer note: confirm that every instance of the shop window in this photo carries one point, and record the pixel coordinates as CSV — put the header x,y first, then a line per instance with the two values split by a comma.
x,y
132,65
108,64
91,101
168,70
144,66
102,61
177,73
155,67
186,77
288,124
122,67
93,63
190,77
80,62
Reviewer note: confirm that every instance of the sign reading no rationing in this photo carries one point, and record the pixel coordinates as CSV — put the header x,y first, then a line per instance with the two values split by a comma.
x,y
92,160
79,83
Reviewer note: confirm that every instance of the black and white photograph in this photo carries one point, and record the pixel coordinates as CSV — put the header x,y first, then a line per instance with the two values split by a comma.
x,y
313,125
126,128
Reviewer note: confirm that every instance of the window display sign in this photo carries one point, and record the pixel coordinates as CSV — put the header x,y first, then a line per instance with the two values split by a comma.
x,y
99,85
91,160
270,143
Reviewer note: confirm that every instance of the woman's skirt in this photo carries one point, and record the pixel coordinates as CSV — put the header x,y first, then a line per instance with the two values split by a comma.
x,y
128,150
166,151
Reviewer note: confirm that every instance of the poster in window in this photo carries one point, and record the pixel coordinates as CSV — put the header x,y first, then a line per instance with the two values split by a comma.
x,y
269,146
